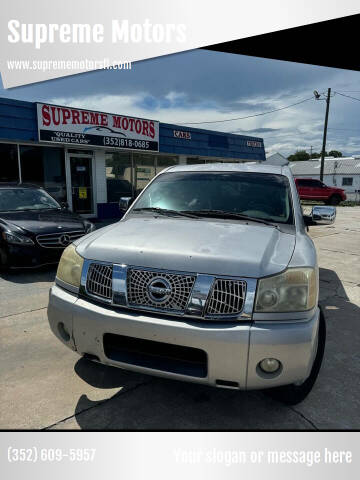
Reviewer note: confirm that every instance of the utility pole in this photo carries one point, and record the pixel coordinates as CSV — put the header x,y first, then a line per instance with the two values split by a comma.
x,y
324,136
310,152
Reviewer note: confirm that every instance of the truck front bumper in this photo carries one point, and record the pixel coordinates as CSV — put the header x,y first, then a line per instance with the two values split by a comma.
x,y
213,353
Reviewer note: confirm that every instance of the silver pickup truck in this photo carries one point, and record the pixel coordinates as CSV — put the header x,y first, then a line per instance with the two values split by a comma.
x,y
209,277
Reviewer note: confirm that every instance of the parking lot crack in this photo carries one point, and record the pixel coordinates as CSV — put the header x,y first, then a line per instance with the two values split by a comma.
x,y
21,313
305,418
340,251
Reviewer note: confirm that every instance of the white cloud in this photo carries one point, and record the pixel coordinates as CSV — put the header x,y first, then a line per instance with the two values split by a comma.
x,y
103,103
297,128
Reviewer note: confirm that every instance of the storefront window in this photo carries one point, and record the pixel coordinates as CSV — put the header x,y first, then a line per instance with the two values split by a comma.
x,y
9,168
194,160
165,161
44,166
118,175
144,170
80,151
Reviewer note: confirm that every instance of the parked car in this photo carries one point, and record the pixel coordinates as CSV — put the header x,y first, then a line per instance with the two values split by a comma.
x,y
117,188
209,277
35,228
312,189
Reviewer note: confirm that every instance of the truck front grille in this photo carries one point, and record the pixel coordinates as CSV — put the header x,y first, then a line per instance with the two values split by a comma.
x,y
99,280
227,297
168,292
163,291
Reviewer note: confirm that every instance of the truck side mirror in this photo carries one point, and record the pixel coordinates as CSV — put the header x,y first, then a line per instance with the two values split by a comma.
x,y
64,205
124,203
323,215
308,220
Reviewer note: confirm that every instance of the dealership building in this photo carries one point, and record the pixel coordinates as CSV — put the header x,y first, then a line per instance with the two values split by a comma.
x,y
90,159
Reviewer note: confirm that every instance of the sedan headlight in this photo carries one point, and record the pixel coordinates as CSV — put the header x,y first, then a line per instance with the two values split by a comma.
x,y
294,290
70,266
16,238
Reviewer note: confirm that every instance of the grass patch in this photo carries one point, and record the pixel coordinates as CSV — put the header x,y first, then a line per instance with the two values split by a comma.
x,y
347,203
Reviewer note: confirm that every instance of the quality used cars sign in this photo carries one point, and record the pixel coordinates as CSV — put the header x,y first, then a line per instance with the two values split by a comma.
x,y
57,124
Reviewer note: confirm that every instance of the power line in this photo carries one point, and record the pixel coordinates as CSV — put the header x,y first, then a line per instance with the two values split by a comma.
x,y
348,96
318,126
345,129
266,113
248,116
282,135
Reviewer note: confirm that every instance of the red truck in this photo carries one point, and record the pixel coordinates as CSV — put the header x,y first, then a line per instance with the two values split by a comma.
x,y
312,189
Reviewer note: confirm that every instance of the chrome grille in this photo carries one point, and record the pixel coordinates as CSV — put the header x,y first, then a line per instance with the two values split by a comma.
x,y
227,297
58,239
175,293
176,298
99,280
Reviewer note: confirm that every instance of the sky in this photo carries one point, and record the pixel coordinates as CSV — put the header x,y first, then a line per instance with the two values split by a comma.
x,y
201,85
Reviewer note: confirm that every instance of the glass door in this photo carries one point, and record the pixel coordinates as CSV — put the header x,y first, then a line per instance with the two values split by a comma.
x,y
81,177
144,170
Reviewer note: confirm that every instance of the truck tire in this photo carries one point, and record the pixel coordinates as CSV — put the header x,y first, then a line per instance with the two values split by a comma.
x,y
334,200
294,394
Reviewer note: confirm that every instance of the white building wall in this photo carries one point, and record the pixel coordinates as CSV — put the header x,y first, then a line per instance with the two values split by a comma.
x,y
276,159
100,176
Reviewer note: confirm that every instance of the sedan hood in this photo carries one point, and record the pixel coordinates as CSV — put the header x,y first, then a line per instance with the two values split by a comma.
x,y
212,246
43,221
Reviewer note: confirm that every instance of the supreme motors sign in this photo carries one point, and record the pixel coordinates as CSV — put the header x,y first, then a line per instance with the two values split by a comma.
x,y
76,126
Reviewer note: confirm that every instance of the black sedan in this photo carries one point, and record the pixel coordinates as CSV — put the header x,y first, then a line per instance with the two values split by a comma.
x,y
34,228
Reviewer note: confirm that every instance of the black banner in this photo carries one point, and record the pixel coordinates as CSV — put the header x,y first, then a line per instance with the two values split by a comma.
x,y
331,44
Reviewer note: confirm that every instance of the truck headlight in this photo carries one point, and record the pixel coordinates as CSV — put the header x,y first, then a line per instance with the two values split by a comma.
x,y
294,290
70,266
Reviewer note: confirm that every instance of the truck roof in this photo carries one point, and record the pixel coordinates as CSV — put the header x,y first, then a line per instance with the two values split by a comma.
x,y
233,167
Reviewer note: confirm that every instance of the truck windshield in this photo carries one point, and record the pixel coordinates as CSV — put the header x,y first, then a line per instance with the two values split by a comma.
x,y
257,195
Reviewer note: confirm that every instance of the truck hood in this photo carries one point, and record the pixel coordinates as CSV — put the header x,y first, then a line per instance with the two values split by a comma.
x,y
202,246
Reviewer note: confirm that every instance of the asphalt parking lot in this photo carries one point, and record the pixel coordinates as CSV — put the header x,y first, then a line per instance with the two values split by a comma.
x,y
43,385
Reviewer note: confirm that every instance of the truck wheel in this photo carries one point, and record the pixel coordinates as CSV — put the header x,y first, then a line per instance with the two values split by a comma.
x,y
293,394
334,200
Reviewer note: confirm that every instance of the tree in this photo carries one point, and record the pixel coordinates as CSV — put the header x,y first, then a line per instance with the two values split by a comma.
x,y
335,153
299,156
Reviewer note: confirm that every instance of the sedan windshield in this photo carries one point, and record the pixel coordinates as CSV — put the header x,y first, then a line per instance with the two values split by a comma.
x,y
257,195
15,199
